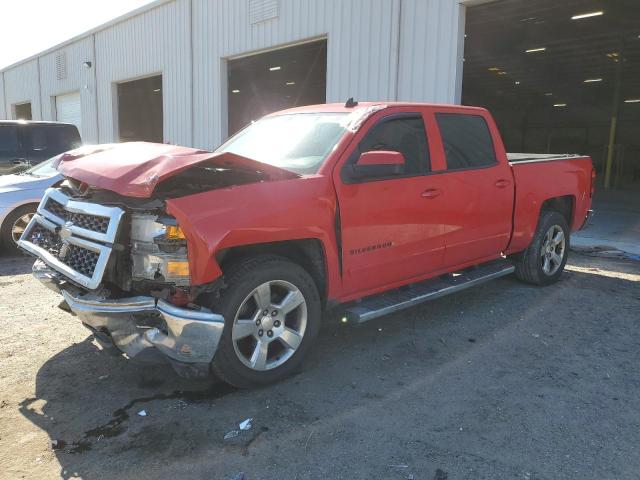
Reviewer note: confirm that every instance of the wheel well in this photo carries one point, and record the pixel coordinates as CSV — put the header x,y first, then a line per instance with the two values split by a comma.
x,y
30,204
308,253
563,205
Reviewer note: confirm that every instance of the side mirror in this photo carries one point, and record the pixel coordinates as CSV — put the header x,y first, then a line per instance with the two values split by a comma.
x,y
378,163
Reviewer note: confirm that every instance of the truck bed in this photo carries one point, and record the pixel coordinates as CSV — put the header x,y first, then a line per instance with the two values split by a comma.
x,y
540,157
538,177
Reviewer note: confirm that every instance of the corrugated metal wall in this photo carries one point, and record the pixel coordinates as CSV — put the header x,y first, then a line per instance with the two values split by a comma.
x,y
430,61
21,84
377,50
361,56
3,112
77,78
156,42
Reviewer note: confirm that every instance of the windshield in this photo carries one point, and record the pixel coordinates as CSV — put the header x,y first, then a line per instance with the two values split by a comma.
x,y
44,169
298,142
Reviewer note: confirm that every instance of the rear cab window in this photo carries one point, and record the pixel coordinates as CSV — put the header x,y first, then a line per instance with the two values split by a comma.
x,y
467,141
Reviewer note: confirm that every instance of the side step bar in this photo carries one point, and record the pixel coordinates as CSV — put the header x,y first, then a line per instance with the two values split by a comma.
x,y
405,297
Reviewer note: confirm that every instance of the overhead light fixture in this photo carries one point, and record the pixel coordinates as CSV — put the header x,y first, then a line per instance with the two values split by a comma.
x,y
156,90
493,69
548,94
559,105
587,15
290,83
533,50
235,91
517,83
274,69
592,80
502,73
632,100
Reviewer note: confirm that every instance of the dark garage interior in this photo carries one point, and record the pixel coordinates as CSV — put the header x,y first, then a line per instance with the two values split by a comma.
x,y
275,80
140,110
560,77
23,111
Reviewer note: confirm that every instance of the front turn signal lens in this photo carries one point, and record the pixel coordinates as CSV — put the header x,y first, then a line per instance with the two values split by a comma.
x,y
175,233
178,269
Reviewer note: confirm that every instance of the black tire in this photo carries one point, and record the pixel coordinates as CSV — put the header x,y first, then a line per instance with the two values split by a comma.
x,y
529,264
241,279
6,238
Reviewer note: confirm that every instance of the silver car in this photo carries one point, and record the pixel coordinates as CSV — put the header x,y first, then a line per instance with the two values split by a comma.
x,y
20,195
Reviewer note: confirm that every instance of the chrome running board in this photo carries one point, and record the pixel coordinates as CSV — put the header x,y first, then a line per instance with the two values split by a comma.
x,y
405,297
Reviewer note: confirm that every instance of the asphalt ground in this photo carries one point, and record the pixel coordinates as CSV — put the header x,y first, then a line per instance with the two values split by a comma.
x,y
504,380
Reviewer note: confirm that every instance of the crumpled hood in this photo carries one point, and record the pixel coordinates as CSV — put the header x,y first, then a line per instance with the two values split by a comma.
x,y
134,169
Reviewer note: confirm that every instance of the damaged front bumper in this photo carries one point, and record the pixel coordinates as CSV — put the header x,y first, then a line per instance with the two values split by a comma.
x,y
143,327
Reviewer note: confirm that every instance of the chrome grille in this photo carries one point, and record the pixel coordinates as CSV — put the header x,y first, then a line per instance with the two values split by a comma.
x,y
73,237
89,222
46,239
81,260
56,208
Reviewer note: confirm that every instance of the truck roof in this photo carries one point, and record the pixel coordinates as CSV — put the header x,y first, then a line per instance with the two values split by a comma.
x,y
340,107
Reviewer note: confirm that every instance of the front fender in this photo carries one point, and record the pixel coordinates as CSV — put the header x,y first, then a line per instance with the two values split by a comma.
x,y
264,212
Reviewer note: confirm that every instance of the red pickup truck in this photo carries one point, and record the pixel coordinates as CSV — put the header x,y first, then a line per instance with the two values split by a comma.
x,y
224,262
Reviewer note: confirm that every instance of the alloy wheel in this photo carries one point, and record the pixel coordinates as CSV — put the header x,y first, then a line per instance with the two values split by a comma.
x,y
553,250
19,226
269,326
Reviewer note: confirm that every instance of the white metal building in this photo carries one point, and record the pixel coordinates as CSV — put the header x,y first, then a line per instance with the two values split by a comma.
x,y
184,50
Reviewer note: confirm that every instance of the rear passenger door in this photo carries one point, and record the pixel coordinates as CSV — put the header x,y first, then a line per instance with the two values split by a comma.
x,y
478,188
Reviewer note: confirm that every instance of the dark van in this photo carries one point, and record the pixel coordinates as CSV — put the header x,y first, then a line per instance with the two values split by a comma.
x,y
27,143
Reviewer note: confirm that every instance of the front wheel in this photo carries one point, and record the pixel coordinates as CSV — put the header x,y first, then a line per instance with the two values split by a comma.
x,y
272,315
543,262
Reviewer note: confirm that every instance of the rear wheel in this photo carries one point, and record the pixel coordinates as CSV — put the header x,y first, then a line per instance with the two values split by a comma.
x,y
543,262
14,226
272,315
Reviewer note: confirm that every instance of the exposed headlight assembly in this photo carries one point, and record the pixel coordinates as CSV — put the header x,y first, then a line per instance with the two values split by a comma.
x,y
159,250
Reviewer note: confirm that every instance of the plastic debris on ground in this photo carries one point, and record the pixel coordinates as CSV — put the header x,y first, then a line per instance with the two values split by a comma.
x,y
58,444
142,413
231,434
246,425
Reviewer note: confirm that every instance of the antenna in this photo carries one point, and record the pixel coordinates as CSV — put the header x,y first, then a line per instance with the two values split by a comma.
x,y
351,103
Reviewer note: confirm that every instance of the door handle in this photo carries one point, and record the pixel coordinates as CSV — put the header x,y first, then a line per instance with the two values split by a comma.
x,y
431,193
502,183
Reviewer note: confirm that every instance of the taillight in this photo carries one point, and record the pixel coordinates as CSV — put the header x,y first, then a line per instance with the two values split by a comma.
x,y
593,181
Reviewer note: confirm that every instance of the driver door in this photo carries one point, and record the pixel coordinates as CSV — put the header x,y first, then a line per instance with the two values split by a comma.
x,y
388,232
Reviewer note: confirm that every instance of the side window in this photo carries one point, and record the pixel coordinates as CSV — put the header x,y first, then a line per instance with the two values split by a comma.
x,y
46,141
63,138
37,146
467,141
9,145
404,134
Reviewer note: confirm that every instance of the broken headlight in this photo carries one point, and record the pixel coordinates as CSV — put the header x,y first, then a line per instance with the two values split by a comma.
x,y
159,250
